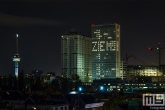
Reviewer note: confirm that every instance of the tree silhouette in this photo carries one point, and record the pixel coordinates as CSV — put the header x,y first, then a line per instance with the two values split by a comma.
x,y
10,82
76,80
56,84
21,81
66,85
15,83
113,101
1,82
38,84
75,77
4,83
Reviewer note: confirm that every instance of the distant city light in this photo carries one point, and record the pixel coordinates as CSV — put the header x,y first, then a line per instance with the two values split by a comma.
x,y
80,89
101,88
73,92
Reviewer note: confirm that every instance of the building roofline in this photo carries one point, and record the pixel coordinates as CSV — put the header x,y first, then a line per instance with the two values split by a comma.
x,y
104,24
76,33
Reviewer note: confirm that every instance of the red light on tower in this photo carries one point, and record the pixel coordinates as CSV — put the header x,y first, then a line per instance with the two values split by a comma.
x,y
159,43
150,49
115,22
93,24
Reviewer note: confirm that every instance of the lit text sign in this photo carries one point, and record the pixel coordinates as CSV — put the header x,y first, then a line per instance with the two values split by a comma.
x,y
105,46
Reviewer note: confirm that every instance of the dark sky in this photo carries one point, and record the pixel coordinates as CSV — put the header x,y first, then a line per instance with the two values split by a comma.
x,y
40,25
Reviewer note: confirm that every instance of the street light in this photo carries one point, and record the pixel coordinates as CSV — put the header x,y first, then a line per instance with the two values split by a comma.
x,y
101,88
80,88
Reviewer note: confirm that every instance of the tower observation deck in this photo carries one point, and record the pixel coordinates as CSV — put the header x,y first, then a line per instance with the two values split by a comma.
x,y
16,58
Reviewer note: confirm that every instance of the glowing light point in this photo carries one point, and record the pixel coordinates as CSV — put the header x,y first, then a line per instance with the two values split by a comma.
x,y
80,89
17,35
101,88
93,24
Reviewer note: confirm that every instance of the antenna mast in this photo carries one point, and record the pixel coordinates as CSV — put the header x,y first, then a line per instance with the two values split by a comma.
x,y
16,43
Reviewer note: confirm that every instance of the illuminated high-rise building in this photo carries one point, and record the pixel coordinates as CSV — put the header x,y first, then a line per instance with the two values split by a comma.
x,y
105,51
16,58
77,56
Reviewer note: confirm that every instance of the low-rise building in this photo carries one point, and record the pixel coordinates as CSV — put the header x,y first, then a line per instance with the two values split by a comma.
x,y
50,76
35,74
150,70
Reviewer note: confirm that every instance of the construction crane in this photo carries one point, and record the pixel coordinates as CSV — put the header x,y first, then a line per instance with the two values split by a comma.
x,y
159,48
127,57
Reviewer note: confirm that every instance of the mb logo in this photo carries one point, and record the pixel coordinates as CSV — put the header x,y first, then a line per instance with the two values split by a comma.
x,y
153,99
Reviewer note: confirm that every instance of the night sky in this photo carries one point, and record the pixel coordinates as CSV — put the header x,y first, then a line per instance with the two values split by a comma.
x,y
41,24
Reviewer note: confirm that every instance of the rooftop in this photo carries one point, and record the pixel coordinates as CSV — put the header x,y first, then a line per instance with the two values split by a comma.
x,y
75,33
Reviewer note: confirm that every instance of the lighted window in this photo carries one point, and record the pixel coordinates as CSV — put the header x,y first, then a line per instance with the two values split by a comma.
x,y
33,108
105,33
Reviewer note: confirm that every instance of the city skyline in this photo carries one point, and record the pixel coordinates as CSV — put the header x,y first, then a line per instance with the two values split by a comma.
x,y
40,26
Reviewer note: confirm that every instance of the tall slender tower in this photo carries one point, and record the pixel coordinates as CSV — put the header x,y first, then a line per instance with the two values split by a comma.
x,y
16,58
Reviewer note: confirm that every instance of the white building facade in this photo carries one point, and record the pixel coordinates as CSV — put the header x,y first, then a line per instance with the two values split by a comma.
x,y
76,55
